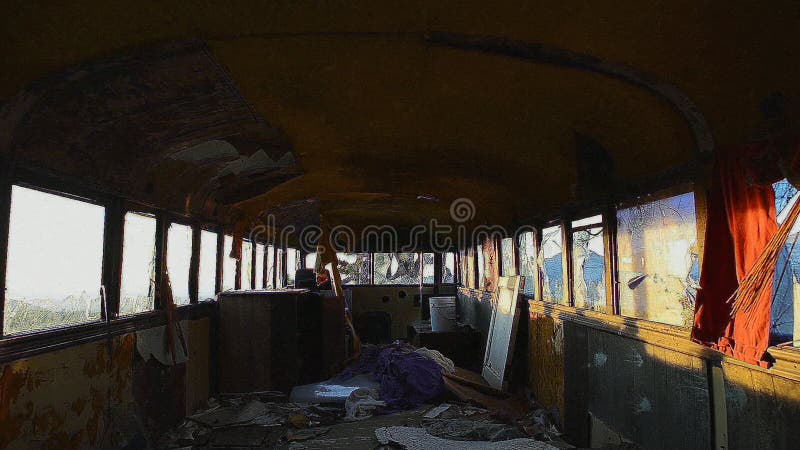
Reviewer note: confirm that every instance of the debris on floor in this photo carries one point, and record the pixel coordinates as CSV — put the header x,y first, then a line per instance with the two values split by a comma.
x,y
418,439
393,395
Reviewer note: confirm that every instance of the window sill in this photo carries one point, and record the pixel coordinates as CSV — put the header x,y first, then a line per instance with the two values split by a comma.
x,y
25,345
670,337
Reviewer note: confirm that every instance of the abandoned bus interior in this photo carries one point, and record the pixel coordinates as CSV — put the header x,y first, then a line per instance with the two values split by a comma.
x,y
373,224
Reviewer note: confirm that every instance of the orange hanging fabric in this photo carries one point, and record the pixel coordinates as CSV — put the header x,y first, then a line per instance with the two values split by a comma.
x,y
740,223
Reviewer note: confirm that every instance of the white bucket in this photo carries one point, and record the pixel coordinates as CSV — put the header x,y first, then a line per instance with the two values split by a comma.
x,y
443,313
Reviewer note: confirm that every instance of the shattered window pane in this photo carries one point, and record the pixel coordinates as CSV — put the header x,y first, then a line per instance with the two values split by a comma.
x,y
279,269
448,267
784,325
427,268
658,262
481,280
527,262
55,257
507,251
292,264
207,278
353,268
552,266
270,267
228,265
311,261
396,268
588,268
245,274
259,266
138,264
179,255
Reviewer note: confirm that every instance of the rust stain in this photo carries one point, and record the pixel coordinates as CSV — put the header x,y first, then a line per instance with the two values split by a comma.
x,y
11,384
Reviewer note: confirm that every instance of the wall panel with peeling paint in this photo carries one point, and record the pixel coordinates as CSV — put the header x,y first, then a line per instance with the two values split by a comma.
x,y
89,395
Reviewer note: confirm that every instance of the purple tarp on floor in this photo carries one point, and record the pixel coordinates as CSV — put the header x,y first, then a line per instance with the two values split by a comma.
x,y
407,379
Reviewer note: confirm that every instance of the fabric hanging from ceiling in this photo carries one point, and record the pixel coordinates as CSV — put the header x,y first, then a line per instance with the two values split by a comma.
x,y
491,267
741,221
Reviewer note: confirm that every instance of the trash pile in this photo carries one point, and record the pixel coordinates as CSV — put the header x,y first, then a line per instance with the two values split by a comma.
x,y
382,383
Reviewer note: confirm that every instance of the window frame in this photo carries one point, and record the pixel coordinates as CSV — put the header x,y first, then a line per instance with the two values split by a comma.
x,y
609,257
136,208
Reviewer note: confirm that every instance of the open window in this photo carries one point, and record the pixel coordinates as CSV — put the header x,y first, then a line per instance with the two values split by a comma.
x,y
55,260
179,255
207,277
137,285
311,261
588,264
246,272
228,264
270,282
292,264
658,260
279,268
259,268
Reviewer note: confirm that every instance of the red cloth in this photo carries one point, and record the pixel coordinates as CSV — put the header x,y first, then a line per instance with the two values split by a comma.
x,y
740,222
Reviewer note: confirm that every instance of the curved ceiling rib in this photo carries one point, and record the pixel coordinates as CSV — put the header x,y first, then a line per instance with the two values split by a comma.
x,y
546,54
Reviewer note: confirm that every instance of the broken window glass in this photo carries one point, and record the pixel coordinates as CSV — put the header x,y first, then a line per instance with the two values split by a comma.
x,y
481,268
784,324
270,267
658,262
507,253
179,255
397,268
228,264
207,277
527,262
55,258
448,267
427,268
279,268
259,266
246,272
588,264
138,264
353,268
552,265
292,264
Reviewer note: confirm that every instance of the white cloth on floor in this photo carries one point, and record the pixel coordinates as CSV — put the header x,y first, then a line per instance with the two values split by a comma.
x,y
444,362
412,438
361,404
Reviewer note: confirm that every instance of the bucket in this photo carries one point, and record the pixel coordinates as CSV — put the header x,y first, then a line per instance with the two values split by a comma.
x,y
443,314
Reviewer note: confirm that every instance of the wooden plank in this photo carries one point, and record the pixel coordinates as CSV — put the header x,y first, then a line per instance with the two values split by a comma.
x,y
576,384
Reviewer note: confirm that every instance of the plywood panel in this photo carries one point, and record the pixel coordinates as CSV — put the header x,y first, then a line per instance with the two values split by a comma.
x,y
546,362
576,383
763,409
648,393
197,366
